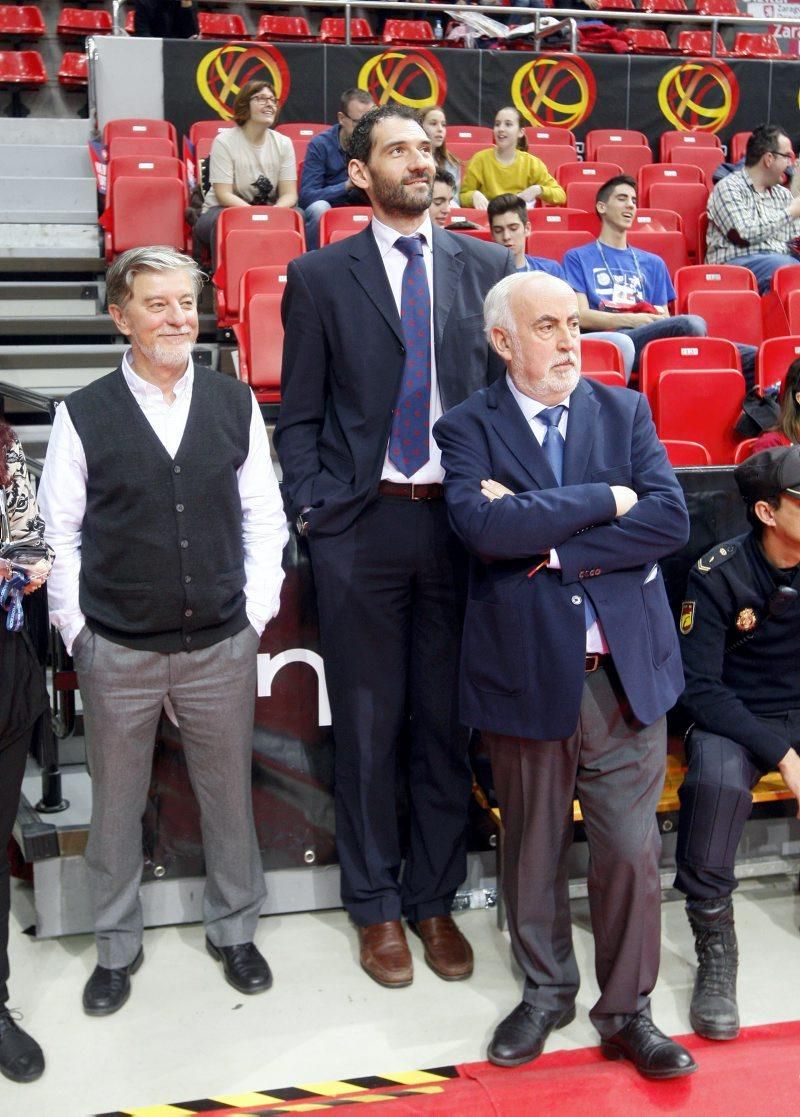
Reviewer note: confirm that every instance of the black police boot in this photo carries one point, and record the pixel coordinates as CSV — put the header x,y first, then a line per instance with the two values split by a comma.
x,y
713,1013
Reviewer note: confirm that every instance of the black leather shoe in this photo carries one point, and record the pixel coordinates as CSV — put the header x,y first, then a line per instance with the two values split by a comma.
x,y
652,1053
107,990
21,1057
521,1036
245,967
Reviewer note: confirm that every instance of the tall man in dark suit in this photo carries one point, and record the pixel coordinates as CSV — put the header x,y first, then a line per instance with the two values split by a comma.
x,y
383,333
564,496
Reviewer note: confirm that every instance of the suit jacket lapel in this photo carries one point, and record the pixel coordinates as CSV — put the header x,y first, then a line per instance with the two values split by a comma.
x,y
581,427
510,425
369,272
447,268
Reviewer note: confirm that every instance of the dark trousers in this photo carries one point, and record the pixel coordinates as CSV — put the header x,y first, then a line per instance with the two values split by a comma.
x,y
390,591
716,800
616,767
13,754
164,19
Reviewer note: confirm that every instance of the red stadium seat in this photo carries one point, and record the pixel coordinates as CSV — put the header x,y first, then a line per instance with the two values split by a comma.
x,y
301,130
468,213
651,219
352,219
601,356
717,8
469,133
260,338
604,376
553,155
688,353
146,146
136,166
73,73
603,137
21,70
77,23
553,243
563,217
670,140
407,32
670,246
597,173
785,280
221,25
248,248
689,199
698,44
145,211
465,149
707,159
619,5
682,453
737,146
747,45
655,6
664,172
774,357
208,129
744,450
539,135
648,41
266,279
710,277
702,406
583,195
732,314
630,157
21,22
257,219
793,311
141,127
284,29
332,30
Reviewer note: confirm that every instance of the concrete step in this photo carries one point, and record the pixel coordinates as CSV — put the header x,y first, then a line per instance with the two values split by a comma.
x,y
48,200
44,130
30,160
37,299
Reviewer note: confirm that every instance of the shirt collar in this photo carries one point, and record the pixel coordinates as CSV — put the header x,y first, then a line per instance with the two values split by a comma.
x,y
144,390
530,408
752,185
385,237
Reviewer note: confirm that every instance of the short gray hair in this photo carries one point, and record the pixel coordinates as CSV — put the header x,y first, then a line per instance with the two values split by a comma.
x,y
497,312
155,258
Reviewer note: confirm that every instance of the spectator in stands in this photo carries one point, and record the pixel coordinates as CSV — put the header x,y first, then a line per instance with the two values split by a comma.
x,y
325,183
509,225
444,189
570,661
161,500
508,168
435,124
165,19
622,288
740,627
787,429
23,699
250,165
387,570
752,219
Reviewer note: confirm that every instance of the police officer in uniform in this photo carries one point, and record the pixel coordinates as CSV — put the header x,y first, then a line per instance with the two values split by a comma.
x,y
740,631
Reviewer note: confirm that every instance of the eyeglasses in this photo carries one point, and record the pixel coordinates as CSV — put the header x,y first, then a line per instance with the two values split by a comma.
x,y
784,155
263,99
353,119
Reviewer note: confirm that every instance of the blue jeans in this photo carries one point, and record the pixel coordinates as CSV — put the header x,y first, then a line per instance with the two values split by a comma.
x,y
313,215
682,325
763,264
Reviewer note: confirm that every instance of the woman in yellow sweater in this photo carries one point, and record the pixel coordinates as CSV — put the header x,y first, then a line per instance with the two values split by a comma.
x,y
508,168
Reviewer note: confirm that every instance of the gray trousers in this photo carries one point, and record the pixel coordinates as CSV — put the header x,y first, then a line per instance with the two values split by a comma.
x,y
213,694
616,767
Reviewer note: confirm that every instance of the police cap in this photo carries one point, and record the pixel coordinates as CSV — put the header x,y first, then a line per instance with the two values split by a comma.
x,y
766,475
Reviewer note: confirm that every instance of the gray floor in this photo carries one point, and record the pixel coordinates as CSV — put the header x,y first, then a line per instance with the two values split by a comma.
x,y
185,1034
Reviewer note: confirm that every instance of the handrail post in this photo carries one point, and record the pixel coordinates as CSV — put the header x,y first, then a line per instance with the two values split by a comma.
x,y
348,12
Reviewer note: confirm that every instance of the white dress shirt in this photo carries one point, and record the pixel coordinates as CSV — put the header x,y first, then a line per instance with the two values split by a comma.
x,y
395,264
62,499
530,408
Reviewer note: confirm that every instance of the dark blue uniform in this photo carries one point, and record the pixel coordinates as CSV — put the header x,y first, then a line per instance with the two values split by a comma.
x,y
740,632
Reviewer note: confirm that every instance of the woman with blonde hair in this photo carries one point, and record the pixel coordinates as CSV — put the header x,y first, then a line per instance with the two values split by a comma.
x,y
509,168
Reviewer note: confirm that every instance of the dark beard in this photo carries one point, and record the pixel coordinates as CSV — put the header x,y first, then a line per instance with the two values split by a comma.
x,y
392,198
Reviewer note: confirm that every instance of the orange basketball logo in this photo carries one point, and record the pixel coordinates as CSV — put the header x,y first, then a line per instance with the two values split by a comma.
x,y
699,96
223,71
407,77
554,91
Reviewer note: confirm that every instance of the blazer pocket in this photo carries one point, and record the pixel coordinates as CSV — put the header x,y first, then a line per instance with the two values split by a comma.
x,y
658,615
494,653
338,465
619,475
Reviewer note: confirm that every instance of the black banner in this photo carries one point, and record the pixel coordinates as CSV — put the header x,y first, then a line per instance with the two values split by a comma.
x,y
579,92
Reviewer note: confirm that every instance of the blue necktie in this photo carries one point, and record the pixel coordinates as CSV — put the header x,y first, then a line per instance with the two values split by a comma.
x,y
553,446
409,442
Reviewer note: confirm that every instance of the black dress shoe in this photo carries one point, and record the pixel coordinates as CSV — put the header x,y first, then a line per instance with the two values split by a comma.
x,y
245,967
521,1036
652,1053
21,1057
107,990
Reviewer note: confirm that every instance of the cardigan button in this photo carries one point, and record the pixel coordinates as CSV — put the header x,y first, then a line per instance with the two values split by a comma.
x,y
184,543
176,469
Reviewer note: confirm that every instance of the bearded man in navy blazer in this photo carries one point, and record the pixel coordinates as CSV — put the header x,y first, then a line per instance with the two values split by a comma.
x,y
564,496
384,332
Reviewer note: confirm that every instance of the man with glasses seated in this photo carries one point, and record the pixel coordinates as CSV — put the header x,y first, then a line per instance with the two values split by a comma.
x,y
740,626
753,220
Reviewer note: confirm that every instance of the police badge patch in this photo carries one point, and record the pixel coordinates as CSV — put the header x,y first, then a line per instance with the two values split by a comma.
x,y
686,623
746,620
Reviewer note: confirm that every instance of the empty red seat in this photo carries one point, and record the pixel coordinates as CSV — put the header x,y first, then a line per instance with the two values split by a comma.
x,y
603,376
630,157
682,453
20,22
706,159
260,337
738,145
136,166
698,44
552,155
650,219
145,211
744,450
775,354
257,219
701,406
648,41
670,246
265,279
683,353
73,73
140,145
599,355
465,149
248,248
332,30
785,280
351,219
469,133
664,172
597,173
221,25
550,135
603,137
142,128
285,29
689,199
732,314
717,8
583,195
553,243
747,45
407,32
77,23
469,213
664,6
670,140
208,129
301,132
563,217
22,69
710,277
619,5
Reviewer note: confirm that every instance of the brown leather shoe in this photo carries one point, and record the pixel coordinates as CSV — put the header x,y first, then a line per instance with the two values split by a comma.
x,y
447,952
385,955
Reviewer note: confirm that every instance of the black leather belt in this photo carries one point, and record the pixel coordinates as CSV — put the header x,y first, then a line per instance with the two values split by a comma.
x,y
411,492
595,661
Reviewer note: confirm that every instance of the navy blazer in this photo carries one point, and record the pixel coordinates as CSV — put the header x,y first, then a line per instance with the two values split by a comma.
x,y
524,641
343,358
